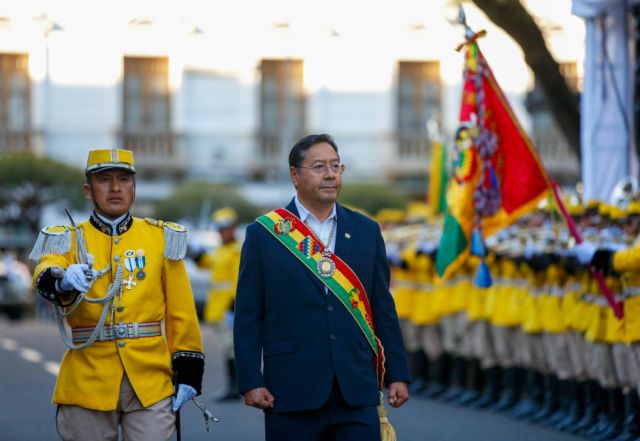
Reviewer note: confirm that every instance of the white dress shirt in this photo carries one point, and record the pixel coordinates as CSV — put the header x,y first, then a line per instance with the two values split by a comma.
x,y
322,230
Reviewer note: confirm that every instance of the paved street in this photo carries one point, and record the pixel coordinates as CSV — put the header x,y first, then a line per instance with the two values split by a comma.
x,y
30,352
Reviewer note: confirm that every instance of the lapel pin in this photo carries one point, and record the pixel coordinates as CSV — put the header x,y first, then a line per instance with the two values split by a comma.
x,y
347,235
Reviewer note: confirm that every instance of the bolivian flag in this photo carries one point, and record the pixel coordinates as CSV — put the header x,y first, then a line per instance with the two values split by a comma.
x,y
497,174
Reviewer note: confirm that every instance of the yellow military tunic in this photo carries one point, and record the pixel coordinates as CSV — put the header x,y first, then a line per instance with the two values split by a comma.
x,y
403,283
627,262
551,301
91,377
224,263
424,311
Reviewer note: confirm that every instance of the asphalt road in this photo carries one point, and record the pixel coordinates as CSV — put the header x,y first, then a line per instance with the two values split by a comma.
x,y
30,351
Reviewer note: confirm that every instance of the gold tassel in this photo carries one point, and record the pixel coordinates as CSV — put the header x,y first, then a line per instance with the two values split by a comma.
x,y
386,429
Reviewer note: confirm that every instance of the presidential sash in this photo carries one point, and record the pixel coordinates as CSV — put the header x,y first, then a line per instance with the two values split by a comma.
x,y
334,273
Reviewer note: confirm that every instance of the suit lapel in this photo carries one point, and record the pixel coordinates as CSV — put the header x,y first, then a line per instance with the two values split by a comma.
x,y
343,234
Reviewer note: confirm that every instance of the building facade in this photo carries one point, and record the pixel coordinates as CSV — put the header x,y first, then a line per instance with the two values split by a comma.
x,y
193,110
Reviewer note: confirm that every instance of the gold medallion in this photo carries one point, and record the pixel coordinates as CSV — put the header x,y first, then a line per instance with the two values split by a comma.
x,y
326,267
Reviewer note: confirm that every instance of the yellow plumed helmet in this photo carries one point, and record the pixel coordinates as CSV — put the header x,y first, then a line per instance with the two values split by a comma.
x,y
634,208
224,217
593,204
105,159
604,209
575,209
418,211
390,215
616,213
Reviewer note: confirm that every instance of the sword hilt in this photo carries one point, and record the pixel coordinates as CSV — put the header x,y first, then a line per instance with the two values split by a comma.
x,y
89,273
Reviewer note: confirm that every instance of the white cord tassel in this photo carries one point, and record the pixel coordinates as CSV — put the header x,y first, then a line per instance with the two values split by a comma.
x,y
175,242
106,301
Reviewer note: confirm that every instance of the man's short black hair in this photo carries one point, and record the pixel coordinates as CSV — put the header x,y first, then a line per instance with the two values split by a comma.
x,y
299,150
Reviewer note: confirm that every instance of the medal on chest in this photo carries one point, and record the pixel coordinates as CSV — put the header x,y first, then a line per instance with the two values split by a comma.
x,y
134,262
326,266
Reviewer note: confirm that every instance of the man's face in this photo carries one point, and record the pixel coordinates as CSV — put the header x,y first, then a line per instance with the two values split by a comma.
x,y
112,191
227,234
315,182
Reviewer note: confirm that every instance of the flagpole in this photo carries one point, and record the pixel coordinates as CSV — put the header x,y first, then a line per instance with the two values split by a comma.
x,y
617,307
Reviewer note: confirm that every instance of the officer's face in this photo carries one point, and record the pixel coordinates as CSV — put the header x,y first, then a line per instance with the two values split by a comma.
x,y
112,192
227,234
313,186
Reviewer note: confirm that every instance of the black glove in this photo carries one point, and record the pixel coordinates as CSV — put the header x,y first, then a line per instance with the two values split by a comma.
x,y
602,261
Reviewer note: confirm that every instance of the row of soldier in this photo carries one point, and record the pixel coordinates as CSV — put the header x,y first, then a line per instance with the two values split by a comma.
x,y
542,343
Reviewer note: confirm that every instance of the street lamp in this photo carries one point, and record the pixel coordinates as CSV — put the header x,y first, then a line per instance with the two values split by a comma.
x,y
49,27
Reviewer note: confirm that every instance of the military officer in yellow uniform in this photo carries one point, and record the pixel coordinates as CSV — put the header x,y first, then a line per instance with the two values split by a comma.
x,y
121,285
224,263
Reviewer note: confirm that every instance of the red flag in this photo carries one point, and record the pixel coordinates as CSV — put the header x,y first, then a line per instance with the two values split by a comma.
x,y
521,176
497,175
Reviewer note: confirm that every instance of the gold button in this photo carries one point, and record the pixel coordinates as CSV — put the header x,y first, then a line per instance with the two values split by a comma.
x,y
121,344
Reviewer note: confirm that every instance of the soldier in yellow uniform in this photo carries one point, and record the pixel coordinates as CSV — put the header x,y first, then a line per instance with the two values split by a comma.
x,y
224,263
627,263
121,284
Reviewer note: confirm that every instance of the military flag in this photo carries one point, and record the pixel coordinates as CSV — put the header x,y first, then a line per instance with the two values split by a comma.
x,y
497,174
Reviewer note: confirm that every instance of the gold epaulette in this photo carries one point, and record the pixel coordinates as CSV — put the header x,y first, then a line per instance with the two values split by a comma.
x,y
55,239
175,238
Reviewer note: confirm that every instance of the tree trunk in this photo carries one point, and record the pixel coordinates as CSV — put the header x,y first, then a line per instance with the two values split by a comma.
x,y
514,19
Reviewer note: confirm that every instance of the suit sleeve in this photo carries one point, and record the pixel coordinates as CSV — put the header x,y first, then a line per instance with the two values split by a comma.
x,y
182,328
385,318
249,310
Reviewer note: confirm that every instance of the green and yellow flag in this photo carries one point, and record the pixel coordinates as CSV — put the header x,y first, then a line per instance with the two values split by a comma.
x,y
497,174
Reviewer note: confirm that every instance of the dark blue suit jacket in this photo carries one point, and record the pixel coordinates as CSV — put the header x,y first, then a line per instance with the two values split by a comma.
x,y
303,337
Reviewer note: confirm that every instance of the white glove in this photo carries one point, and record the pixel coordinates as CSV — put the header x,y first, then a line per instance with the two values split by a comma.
x,y
584,251
75,278
185,393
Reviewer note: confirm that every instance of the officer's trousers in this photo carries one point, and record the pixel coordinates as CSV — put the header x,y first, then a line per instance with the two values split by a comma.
x,y
531,351
431,341
410,333
153,423
453,329
505,344
623,364
578,355
601,365
479,344
556,347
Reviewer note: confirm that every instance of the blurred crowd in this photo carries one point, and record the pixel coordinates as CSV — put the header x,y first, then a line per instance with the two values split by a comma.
x,y
541,343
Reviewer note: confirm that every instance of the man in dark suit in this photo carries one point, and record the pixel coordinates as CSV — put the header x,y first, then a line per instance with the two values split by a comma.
x,y
319,373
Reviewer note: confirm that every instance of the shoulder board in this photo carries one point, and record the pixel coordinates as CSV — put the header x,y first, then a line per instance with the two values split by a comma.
x,y
175,240
154,222
55,239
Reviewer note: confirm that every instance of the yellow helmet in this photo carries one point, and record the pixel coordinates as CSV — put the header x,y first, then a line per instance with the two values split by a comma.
x,y
390,215
616,213
105,159
224,217
634,207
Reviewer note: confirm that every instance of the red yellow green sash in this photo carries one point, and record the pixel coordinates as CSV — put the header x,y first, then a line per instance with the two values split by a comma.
x,y
344,283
